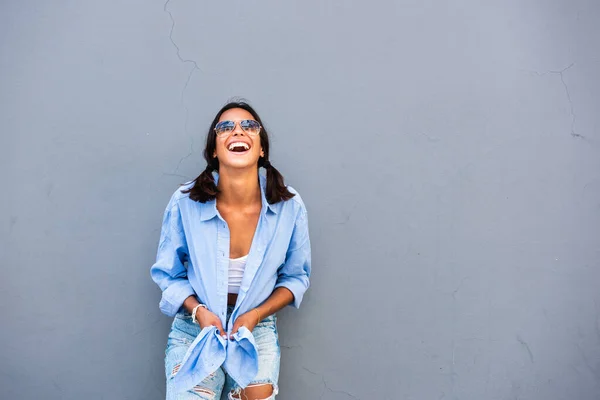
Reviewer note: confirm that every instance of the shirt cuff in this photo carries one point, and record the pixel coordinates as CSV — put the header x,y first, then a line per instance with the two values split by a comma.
x,y
173,297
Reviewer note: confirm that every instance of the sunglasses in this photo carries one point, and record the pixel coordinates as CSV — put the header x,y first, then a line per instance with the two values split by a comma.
x,y
250,126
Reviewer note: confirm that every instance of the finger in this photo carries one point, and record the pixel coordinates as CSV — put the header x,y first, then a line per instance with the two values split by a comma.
x,y
236,326
221,330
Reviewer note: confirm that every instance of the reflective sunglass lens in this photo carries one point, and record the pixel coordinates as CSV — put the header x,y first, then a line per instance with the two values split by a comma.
x,y
251,126
224,126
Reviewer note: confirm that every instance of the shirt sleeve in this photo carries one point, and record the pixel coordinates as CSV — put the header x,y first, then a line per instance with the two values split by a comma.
x,y
295,271
169,272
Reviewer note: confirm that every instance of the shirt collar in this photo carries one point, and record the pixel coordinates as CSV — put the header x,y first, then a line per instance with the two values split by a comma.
x,y
209,209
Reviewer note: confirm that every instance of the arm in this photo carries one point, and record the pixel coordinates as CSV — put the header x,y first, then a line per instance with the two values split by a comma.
x,y
294,274
280,298
292,281
169,272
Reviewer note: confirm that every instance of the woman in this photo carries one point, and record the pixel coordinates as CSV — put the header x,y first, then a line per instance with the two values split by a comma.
x,y
234,249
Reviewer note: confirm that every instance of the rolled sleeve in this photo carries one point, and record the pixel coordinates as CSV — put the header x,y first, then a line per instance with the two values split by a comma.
x,y
294,273
169,271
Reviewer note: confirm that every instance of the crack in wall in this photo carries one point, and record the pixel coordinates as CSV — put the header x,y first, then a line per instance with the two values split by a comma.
x,y
187,82
572,109
348,215
587,363
196,67
178,175
325,386
187,155
459,286
297,346
562,79
524,344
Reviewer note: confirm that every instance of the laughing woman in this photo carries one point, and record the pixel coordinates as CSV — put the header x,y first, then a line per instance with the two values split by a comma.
x,y
234,249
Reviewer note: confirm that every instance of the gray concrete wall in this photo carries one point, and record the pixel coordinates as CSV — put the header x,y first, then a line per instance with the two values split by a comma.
x,y
448,154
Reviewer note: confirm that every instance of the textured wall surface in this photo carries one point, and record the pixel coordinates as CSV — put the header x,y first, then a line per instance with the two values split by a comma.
x,y
448,154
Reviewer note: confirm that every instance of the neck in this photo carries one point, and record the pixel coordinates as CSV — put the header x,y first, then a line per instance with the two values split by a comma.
x,y
238,188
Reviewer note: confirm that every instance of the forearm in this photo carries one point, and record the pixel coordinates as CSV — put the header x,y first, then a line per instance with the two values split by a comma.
x,y
189,303
280,298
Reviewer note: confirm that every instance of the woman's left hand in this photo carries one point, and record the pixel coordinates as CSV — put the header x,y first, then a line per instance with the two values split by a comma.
x,y
249,320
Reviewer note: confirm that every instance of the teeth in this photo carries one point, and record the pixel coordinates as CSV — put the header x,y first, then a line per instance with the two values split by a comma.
x,y
236,144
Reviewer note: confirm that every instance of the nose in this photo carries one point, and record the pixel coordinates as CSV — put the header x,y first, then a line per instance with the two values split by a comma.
x,y
237,129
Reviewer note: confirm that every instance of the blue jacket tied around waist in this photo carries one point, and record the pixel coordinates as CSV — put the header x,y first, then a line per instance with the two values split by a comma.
x,y
193,259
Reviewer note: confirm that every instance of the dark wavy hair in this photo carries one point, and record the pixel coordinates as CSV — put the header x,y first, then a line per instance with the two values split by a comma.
x,y
205,189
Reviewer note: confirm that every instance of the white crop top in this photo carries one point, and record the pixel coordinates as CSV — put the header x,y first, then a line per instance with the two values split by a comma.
x,y
236,272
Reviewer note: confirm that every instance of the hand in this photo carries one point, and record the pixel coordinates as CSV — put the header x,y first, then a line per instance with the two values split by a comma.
x,y
249,320
207,318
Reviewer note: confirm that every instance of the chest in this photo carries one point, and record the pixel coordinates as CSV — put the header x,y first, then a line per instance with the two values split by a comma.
x,y
242,227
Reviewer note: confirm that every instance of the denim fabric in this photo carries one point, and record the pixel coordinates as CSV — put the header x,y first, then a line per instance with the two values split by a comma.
x,y
193,259
219,384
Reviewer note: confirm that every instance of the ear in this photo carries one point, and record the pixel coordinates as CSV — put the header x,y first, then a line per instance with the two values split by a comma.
x,y
262,152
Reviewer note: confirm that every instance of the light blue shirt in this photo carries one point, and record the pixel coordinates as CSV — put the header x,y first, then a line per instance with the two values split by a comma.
x,y
193,259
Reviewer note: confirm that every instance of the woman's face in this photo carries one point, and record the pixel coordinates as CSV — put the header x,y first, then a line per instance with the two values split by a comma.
x,y
237,149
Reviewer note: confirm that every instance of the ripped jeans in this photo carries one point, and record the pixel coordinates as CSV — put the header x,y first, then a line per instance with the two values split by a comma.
x,y
219,385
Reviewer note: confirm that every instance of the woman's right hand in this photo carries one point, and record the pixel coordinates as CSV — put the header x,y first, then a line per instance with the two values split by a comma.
x,y
207,318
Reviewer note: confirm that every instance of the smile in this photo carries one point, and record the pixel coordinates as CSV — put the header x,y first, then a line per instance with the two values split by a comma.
x,y
238,147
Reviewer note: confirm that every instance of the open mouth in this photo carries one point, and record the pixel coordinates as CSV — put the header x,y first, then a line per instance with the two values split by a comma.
x,y
238,147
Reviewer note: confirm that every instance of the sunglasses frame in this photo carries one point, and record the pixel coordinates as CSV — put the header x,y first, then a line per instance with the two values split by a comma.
x,y
235,123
